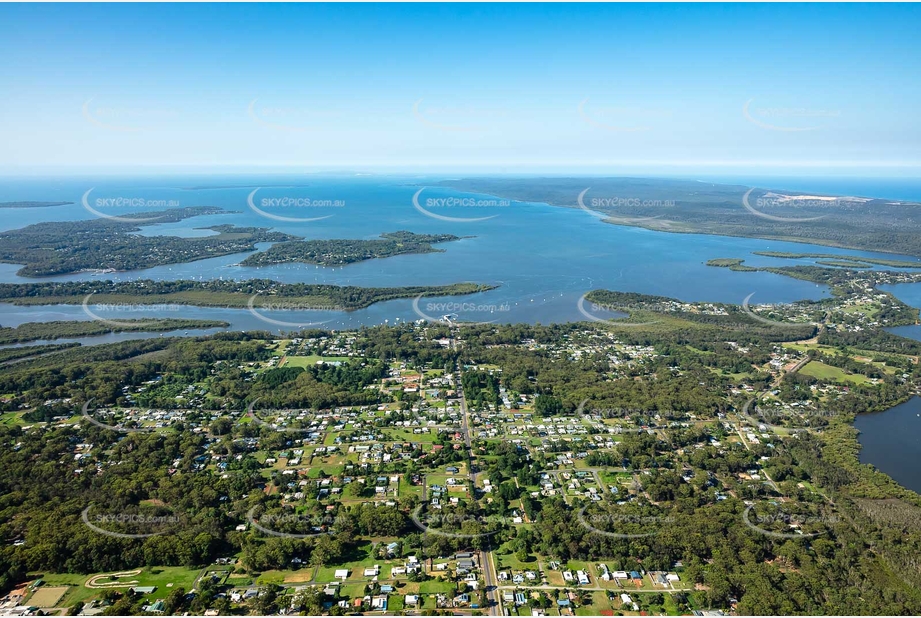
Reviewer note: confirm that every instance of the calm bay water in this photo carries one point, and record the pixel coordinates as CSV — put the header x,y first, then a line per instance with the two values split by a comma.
x,y
543,258
891,441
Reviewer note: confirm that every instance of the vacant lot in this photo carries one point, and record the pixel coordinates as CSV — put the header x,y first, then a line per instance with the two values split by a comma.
x,y
827,372
48,597
309,361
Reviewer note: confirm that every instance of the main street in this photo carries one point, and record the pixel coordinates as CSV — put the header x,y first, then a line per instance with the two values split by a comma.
x,y
493,598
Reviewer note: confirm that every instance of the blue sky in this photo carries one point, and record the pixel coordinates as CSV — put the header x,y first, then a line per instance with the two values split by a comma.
x,y
492,88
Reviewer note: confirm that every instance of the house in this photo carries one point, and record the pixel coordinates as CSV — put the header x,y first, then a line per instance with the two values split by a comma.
x,y
156,607
380,603
520,599
508,596
411,599
341,574
562,602
583,578
568,576
386,588
373,571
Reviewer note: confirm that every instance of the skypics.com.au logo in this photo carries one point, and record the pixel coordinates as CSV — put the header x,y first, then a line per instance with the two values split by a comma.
x,y
282,421
290,118
290,307
620,118
601,312
138,522
293,525
623,525
457,525
127,426
787,119
788,520
435,207
95,312
453,312
613,203
120,203
272,207
126,119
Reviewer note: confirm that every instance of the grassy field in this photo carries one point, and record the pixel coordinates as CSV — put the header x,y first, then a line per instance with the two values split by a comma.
x,y
599,604
166,579
12,418
827,372
309,361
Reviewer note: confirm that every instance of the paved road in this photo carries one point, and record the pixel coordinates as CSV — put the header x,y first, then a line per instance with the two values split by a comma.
x,y
492,596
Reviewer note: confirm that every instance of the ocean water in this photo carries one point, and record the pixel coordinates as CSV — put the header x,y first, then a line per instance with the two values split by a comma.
x,y
542,258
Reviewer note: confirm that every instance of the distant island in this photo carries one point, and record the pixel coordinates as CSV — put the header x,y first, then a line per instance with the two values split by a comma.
x,y
65,247
847,259
693,207
336,252
37,331
31,204
233,294
216,187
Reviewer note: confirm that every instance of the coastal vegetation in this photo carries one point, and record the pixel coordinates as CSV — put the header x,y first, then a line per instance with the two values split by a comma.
x,y
220,293
686,206
35,331
65,247
32,204
336,252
